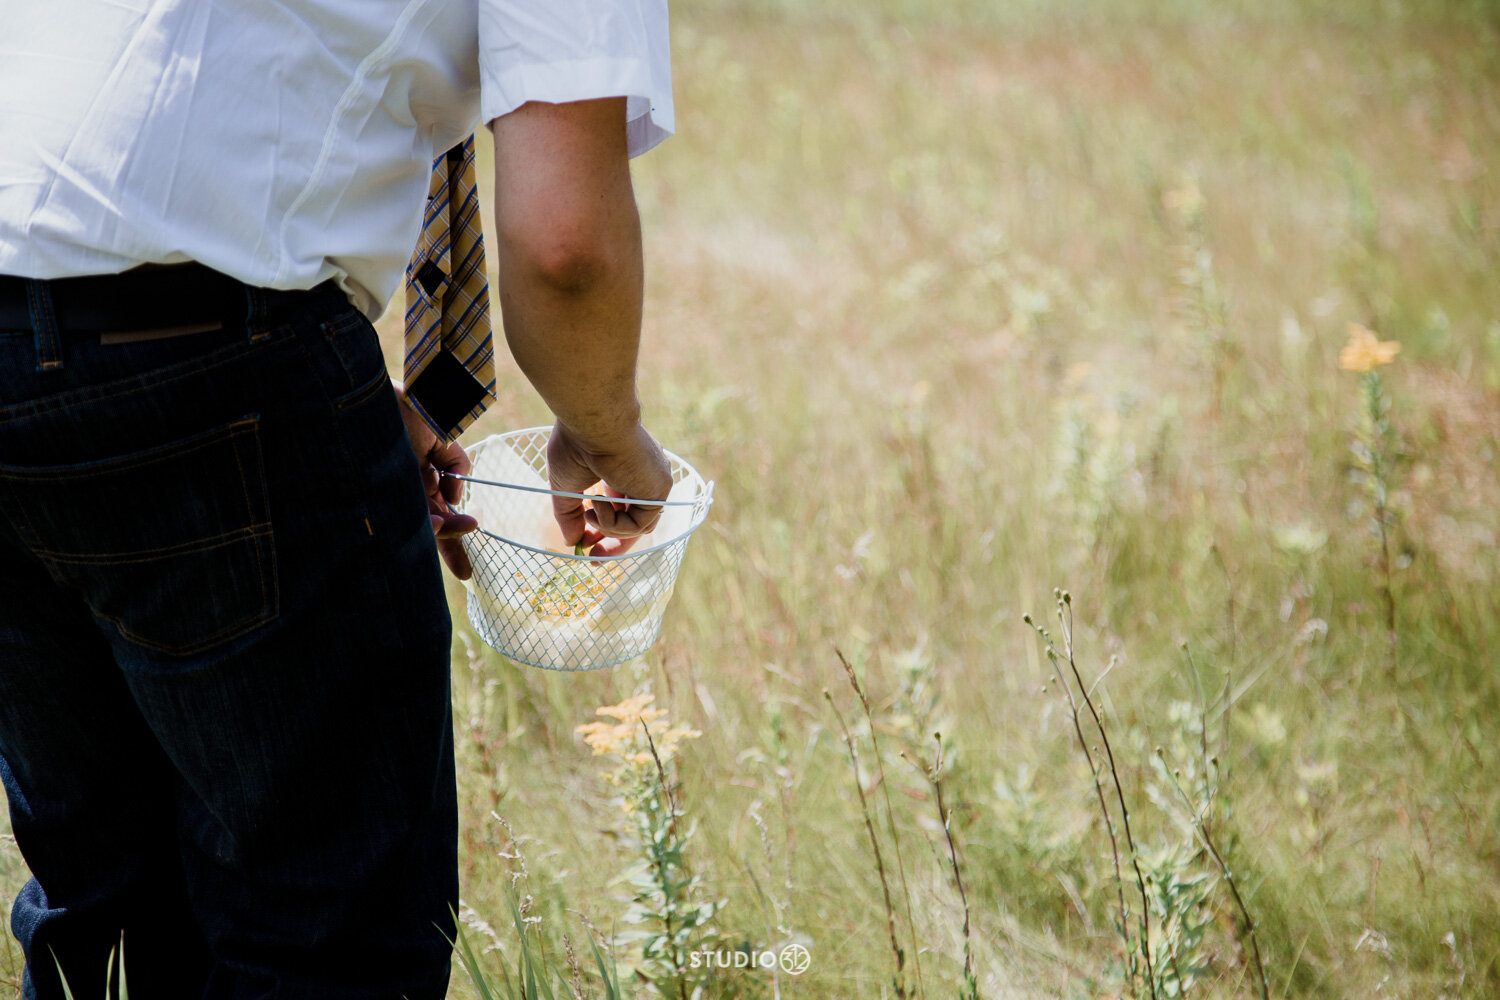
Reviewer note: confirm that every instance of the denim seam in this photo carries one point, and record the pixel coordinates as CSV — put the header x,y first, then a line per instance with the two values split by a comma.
x,y
350,468
255,313
30,534
44,323
256,530
339,329
343,324
91,470
22,411
332,332
363,394
49,310
266,614
260,565
270,593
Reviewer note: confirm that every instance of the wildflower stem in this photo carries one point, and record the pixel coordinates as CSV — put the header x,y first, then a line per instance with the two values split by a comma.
x,y
1083,745
898,981
1379,426
890,813
1229,879
935,775
1066,616
1200,824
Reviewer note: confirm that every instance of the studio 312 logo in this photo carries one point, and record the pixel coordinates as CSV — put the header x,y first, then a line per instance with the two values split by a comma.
x,y
793,959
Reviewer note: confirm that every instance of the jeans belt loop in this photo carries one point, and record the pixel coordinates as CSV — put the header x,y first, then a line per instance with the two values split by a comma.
x,y
255,312
44,325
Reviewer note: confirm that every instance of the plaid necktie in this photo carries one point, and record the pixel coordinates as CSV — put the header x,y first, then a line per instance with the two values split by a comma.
x,y
450,357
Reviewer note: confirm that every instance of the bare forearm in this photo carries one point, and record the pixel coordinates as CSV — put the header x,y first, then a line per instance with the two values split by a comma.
x,y
578,346
570,264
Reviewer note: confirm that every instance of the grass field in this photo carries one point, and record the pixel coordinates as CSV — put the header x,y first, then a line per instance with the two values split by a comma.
x,y
962,302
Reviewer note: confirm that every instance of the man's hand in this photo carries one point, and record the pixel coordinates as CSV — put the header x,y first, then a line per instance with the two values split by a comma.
x,y
436,457
635,467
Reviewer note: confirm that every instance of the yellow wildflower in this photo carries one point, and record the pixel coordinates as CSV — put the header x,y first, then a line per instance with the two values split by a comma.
x,y
1365,352
668,739
625,738
605,738
633,709
1185,200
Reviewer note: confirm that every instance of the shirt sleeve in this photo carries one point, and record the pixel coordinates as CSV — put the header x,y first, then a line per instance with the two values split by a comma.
x,y
576,50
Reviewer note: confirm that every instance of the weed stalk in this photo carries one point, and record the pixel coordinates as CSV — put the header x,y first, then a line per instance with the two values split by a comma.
x,y
1065,619
898,980
934,775
890,813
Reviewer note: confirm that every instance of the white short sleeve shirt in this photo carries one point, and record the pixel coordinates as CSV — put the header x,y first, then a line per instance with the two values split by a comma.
x,y
283,143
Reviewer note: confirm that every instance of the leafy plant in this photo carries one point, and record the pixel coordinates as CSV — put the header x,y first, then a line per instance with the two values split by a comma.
x,y
1373,450
672,919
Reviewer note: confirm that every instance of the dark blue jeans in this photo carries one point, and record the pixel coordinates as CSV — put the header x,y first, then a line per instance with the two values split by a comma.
x,y
225,727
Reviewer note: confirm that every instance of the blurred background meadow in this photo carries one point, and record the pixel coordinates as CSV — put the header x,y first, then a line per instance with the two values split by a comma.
x,y
960,303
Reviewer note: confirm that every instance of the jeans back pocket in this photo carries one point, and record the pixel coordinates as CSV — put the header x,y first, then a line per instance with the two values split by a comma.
x,y
172,545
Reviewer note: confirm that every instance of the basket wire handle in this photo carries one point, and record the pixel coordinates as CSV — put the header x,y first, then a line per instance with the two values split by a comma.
x,y
575,496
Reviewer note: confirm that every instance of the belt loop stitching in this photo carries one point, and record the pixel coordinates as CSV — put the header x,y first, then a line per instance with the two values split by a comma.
x,y
256,314
43,325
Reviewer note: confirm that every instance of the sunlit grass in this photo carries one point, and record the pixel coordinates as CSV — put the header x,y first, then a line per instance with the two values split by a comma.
x,y
923,299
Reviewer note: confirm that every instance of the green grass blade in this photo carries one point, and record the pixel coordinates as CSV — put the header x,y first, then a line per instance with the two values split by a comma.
x,y
68,993
525,965
470,963
611,976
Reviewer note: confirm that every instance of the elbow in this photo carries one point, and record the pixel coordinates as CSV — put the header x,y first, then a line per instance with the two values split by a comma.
x,y
574,255
570,267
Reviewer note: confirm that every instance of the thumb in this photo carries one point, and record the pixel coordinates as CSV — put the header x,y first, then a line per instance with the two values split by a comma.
x,y
567,471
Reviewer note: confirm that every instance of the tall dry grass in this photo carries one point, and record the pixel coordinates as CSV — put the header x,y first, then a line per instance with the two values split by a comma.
x,y
960,302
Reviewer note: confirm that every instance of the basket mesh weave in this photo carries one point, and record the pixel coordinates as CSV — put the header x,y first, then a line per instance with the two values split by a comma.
x,y
552,609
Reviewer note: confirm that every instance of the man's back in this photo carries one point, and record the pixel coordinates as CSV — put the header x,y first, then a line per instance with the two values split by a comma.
x,y
281,143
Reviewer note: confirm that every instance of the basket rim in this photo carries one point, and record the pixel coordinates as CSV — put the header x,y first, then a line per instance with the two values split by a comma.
x,y
700,503
632,501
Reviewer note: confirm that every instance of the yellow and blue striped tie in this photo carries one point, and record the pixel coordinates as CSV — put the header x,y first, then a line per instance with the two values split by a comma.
x,y
450,355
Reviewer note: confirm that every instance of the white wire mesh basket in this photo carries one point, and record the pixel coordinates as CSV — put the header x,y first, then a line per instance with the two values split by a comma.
x,y
535,601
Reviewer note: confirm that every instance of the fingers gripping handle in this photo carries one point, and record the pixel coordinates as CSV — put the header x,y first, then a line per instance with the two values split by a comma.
x,y
576,496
